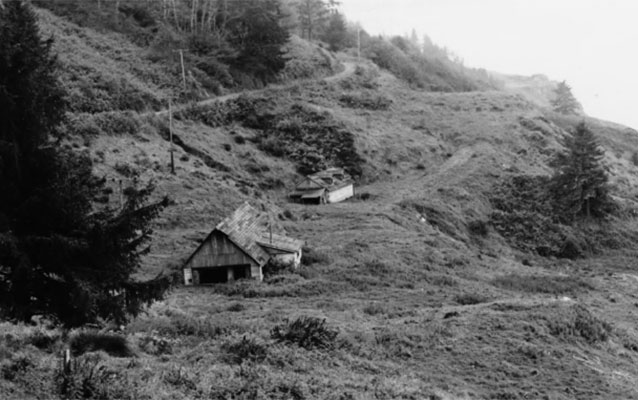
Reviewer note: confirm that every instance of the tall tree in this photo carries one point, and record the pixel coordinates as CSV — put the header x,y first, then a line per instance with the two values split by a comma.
x,y
259,36
313,16
58,255
564,101
336,33
580,182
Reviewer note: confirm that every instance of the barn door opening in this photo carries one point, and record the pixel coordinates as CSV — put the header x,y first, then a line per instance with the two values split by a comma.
x,y
212,275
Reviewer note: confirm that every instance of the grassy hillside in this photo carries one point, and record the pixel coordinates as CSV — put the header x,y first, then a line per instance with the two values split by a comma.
x,y
427,299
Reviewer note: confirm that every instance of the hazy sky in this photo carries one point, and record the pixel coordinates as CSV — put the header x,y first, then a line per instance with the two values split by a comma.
x,y
592,44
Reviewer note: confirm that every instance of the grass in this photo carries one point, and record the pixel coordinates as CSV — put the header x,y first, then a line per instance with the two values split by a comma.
x,y
547,284
375,271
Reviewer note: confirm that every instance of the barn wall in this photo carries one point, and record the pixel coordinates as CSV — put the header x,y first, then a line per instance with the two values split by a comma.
x,y
218,251
341,194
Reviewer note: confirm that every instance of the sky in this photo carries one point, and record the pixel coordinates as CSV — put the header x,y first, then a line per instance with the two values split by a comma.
x,y
591,44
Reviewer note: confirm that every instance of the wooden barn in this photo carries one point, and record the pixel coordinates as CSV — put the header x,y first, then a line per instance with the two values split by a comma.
x,y
238,248
330,186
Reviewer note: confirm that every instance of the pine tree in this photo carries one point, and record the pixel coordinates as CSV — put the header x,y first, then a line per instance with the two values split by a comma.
x,y
579,184
313,15
564,101
58,255
336,33
259,36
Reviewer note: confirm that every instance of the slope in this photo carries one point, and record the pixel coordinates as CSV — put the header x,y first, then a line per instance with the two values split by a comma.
x,y
426,305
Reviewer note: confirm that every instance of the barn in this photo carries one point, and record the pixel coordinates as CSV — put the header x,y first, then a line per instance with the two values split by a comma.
x,y
238,248
330,186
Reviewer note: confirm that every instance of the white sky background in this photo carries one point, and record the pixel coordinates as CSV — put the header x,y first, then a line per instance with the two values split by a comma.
x,y
592,44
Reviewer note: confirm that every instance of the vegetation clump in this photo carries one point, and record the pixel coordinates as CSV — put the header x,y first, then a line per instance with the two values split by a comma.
x,y
578,322
247,349
87,341
306,332
540,213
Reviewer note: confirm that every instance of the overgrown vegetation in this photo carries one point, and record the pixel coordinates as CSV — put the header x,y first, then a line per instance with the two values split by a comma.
x,y
540,213
307,332
549,284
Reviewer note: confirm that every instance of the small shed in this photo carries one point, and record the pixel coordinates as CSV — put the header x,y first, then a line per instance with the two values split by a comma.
x,y
330,186
238,248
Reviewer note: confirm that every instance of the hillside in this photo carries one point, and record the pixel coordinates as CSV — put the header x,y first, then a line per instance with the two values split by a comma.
x,y
429,301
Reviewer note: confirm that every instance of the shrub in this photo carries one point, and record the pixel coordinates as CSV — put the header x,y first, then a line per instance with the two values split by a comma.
x,y
580,323
88,379
311,256
245,349
236,307
306,332
277,267
555,285
179,378
470,298
374,309
43,340
16,366
114,345
478,228
365,101
155,345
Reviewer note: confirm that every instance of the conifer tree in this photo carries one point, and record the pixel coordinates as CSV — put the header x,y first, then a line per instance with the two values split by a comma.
x,y
580,182
564,101
59,256
336,33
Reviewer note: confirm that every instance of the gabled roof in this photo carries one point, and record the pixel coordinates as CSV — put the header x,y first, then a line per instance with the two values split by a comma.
x,y
280,242
242,227
329,179
246,228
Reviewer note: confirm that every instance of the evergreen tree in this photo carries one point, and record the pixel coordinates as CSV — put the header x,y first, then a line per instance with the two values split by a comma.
x,y
579,184
313,15
259,35
564,101
58,255
336,33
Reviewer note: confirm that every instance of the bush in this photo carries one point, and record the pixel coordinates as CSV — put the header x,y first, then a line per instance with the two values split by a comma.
x,y
16,366
43,340
306,332
155,345
114,345
478,228
277,267
555,285
470,298
374,309
245,350
88,379
580,323
365,101
311,256
236,307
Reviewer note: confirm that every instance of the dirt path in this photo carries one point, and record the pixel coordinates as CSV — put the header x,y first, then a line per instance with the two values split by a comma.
x,y
349,68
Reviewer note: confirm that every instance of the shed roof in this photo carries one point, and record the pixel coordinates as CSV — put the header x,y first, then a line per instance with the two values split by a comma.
x,y
329,179
280,242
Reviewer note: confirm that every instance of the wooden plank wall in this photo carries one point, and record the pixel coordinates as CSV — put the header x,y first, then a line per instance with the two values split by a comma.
x,y
219,251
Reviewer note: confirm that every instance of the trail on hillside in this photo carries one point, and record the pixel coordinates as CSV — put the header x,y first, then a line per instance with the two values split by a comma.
x,y
349,68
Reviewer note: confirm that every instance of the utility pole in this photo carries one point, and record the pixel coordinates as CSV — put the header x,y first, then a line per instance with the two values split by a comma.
x,y
181,58
358,43
170,134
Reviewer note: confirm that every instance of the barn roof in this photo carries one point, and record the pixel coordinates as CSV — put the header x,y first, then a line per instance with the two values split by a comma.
x,y
280,242
243,227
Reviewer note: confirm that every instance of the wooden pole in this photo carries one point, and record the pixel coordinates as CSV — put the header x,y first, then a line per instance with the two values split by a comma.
x,y
181,59
170,130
